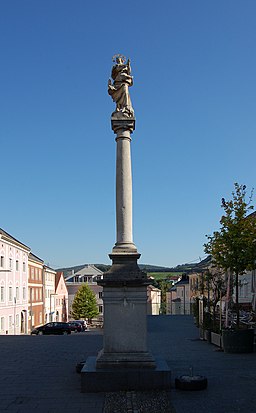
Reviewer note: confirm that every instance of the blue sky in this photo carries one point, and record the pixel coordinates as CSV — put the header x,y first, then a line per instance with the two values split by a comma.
x,y
194,96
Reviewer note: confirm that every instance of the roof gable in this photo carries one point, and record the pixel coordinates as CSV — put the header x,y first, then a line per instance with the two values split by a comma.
x,y
60,282
10,238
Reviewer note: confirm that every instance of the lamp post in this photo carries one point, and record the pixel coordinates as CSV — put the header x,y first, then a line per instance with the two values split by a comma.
x,y
14,324
51,312
31,308
184,299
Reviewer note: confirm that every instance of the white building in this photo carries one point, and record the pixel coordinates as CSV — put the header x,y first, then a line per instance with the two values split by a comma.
x,y
89,275
153,300
49,293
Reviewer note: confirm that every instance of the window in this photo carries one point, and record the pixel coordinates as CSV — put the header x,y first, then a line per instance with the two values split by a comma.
x,y
24,293
10,263
17,265
2,261
100,294
10,322
2,293
32,273
100,309
17,293
17,320
2,323
24,266
10,293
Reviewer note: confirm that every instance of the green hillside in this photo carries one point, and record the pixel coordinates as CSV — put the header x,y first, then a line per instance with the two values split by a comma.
x,y
155,271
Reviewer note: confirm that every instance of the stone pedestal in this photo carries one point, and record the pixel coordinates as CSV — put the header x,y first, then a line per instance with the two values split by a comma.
x,y
94,380
125,363
125,315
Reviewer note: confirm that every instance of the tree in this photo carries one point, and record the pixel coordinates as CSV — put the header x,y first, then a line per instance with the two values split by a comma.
x,y
216,288
84,304
233,247
164,286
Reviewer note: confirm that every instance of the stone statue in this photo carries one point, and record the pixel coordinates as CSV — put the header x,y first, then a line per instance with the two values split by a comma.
x,y
121,75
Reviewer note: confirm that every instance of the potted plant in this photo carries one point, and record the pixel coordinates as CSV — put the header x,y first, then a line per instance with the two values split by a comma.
x,y
233,250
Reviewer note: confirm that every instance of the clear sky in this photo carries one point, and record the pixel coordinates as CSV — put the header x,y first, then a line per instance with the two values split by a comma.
x,y
194,95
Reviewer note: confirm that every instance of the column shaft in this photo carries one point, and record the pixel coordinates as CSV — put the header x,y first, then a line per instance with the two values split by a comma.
x,y
123,192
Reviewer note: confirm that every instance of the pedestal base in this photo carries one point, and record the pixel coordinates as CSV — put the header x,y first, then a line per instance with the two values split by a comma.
x,y
139,360
95,380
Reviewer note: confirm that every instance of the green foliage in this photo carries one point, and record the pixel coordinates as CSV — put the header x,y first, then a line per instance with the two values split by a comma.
x,y
233,247
164,286
164,275
84,305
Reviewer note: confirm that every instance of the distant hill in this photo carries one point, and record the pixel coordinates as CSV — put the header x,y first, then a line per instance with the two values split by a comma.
x,y
103,267
145,267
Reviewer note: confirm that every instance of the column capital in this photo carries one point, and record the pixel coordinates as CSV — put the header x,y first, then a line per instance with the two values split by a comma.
x,y
123,127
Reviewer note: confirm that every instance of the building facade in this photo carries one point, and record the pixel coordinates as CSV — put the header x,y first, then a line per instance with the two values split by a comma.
x,y
89,275
13,285
35,292
178,298
60,299
153,300
49,276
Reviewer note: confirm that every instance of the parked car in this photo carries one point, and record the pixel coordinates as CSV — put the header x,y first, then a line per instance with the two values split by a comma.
x,y
83,323
52,328
75,326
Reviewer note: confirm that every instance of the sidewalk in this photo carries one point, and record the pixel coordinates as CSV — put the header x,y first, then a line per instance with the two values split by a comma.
x,y
38,374
231,377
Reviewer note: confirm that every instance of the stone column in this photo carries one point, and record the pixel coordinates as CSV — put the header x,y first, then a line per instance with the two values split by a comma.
x,y
123,129
124,285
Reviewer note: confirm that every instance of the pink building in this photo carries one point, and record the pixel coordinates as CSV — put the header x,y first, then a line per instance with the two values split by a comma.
x,y
60,307
13,285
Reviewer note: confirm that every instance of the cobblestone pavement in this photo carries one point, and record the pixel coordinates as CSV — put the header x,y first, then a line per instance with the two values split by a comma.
x,y
138,402
38,374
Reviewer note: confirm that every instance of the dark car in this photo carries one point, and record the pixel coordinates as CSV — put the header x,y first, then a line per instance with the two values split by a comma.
x,y
83,324
75,326
52,328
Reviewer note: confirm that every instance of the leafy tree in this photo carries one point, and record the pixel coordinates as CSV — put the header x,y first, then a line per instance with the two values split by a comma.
x,y
233,247
216,288
84,304
164,286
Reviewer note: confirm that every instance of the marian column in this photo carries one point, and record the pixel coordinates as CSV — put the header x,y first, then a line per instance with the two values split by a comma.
x,y
124,363
123,124
124,285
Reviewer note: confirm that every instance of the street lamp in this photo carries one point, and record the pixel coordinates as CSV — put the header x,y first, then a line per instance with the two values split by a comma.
x,y
51,312
184,299
14,325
